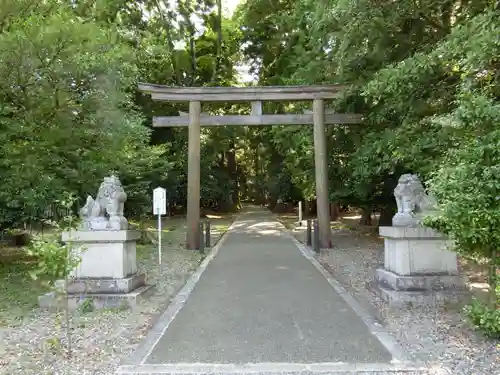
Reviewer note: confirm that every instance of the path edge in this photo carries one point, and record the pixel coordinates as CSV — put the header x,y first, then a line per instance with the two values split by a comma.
x,y
375,328
325,368
156,332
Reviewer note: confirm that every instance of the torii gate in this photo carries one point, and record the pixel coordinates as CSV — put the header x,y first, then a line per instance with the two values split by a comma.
x,y
255,95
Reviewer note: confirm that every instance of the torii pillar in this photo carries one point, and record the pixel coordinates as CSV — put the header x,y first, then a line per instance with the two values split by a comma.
x,y
193,187
321,171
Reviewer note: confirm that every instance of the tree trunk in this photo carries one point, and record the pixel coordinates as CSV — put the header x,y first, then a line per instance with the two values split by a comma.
x,y
312,207
334,211
386,215
366,216
192,52
492,280
233,174
223,199
272,203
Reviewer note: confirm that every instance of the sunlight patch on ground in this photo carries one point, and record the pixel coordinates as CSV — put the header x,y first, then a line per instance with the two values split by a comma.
x,y
269,231
480,286
353,217
338,225
282,268
214,216
265,224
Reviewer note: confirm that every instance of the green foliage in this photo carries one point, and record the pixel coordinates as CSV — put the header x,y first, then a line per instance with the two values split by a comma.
x,y
67,116
484,318
55,259
86,306
467,189
62,115
19,292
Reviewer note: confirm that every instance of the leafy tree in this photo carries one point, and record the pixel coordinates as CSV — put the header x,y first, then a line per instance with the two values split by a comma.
x,y
65,116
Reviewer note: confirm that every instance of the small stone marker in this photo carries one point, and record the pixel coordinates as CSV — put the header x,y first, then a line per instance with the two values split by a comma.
x,y
159,208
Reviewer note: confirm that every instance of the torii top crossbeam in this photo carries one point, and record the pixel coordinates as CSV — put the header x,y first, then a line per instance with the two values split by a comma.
x,y
254,94
236,94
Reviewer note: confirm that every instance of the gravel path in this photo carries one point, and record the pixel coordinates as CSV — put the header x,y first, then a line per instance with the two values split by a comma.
x,y
100,339
427,334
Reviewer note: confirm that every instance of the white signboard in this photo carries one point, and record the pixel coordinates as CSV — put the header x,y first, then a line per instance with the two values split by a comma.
x,y
159,201
159,208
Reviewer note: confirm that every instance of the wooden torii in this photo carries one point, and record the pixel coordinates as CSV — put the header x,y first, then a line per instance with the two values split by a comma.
x,y
256,95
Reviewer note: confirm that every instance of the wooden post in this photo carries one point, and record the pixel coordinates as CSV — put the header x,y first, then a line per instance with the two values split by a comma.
x,y
193,188
321,169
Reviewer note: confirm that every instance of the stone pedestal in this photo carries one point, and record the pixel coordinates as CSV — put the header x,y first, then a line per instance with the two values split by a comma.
x,y
418,268
107,272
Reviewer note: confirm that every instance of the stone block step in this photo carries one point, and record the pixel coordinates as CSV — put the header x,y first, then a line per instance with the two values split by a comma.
x,y
282,369
54,301
401,298
104,285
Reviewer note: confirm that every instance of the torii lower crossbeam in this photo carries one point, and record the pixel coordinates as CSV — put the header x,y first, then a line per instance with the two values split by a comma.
x,y
255,120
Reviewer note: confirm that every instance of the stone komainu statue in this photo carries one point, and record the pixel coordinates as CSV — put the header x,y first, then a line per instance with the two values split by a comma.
x,y
106,211
412,201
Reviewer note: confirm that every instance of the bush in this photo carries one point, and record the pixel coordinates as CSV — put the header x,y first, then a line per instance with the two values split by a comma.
x,y
55,260
485,318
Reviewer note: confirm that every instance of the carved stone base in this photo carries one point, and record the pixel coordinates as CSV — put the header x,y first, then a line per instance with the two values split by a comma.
x,y
417,251
107,272
417,282
418,268
104,254
103,286
401,298
56,300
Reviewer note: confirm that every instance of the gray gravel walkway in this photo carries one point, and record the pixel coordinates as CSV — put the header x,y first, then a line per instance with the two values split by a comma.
x,y
261,300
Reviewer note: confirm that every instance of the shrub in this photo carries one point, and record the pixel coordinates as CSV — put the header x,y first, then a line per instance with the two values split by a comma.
x,y
484,317
55,260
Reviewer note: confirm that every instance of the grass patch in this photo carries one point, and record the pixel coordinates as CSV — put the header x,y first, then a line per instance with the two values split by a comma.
x,y
288,220
174,233
18,292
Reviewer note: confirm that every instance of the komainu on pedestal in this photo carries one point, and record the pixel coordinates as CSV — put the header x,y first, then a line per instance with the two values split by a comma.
x,y
107,271
418,268
412,202
106,211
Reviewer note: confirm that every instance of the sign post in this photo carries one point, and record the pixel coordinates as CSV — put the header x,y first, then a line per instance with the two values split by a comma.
x,y
159,208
